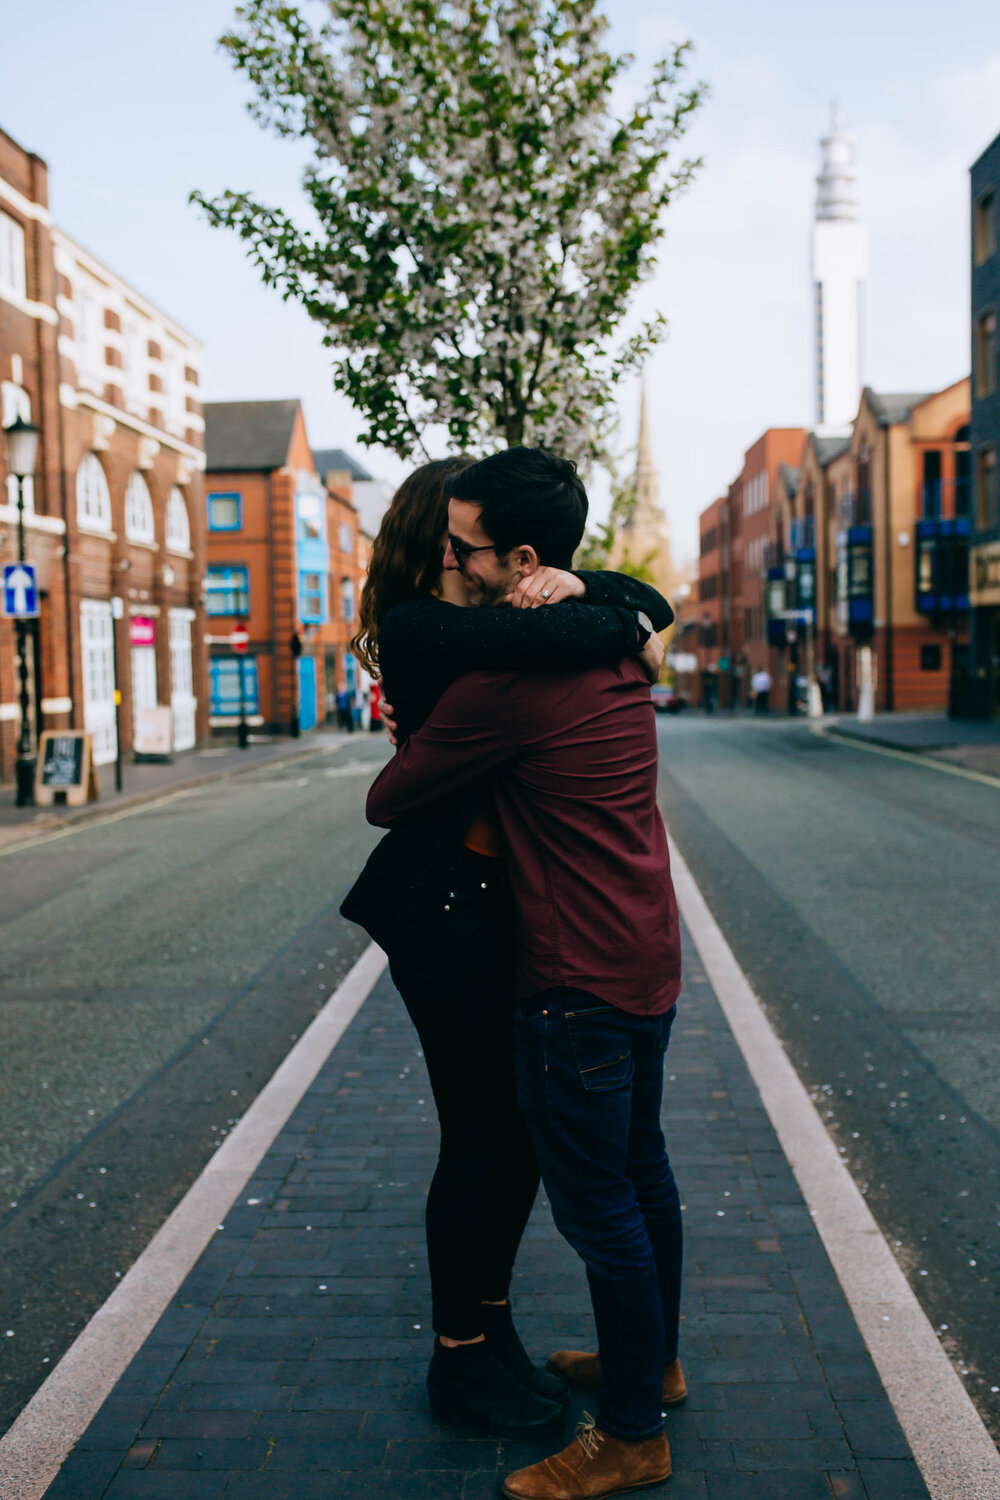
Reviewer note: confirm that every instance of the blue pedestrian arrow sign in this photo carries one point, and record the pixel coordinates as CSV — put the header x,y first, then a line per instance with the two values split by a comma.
x,y
20,591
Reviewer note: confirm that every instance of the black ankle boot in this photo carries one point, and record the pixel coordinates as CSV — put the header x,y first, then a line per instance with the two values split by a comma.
x,y
470,1386
501,1335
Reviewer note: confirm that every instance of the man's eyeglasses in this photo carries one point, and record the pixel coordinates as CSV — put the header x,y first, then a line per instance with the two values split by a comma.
x,y
462,550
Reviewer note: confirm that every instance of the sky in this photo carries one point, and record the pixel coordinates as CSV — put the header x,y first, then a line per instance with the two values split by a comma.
x,y
132,105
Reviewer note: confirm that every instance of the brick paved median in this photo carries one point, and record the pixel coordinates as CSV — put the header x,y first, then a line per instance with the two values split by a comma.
x,y
291,1363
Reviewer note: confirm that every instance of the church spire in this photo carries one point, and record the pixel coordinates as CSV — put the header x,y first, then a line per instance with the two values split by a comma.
x,y
647,481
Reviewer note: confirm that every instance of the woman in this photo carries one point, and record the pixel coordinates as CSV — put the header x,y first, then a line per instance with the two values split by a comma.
x,y
434,895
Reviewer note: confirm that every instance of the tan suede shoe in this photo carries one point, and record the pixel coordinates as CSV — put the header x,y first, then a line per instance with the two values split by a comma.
x,y
585,1370
594,1465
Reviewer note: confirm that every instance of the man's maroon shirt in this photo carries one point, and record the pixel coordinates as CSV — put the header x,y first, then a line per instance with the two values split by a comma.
x,y
572,761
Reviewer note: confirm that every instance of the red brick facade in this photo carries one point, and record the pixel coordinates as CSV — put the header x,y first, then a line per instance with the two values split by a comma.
x,y
97,445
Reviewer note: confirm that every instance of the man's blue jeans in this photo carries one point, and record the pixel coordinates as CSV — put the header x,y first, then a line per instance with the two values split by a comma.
x,y
590,1084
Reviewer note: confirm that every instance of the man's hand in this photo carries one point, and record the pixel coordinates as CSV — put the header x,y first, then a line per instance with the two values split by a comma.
x,y
546,586
389,723
651,657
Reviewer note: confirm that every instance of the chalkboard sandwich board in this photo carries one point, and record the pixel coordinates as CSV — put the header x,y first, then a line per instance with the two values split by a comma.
x,y
66,773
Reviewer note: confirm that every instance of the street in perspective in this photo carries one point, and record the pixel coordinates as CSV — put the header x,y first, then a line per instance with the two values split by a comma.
x,y
499,753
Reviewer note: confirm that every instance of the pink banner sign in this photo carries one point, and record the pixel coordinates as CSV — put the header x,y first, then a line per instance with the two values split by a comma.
x,y
143,631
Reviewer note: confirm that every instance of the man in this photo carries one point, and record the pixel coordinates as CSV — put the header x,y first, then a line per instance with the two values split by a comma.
x,y
572,761
760,682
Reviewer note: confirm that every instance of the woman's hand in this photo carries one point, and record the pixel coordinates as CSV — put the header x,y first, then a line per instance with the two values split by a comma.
x,y
546,586
389,724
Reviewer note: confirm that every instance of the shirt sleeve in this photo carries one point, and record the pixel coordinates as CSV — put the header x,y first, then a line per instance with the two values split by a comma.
x,y
621,589
563,637
470,733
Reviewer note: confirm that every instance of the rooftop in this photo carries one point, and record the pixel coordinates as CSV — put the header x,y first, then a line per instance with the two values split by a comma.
x,y
335,460
895,408
253,435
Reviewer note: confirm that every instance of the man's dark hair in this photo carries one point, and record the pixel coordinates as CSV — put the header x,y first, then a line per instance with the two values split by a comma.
x,y
529,497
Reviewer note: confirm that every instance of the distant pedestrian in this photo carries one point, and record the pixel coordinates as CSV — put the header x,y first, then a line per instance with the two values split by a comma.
x,y
760,683
345,718
375,704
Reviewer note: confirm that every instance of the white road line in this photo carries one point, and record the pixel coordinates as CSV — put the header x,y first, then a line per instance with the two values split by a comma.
x,y
953,1449
61,1409
915,758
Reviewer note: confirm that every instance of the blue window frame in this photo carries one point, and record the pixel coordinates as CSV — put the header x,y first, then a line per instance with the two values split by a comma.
x,y
225,510
227,591
311,598
225,686
310,523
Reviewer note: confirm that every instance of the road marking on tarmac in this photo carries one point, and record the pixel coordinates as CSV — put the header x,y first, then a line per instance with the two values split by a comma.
x,y
911,757
61,1409
952,1447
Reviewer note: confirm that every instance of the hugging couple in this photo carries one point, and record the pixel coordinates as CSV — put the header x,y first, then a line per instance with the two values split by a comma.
x,y
523,896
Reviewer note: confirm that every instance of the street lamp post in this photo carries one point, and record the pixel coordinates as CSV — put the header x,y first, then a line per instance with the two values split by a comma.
x,y
22,447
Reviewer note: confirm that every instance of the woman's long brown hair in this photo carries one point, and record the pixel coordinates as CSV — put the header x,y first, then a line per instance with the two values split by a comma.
x,y
407,553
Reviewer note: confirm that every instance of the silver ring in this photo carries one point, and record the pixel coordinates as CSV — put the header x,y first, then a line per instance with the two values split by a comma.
x,y
545,593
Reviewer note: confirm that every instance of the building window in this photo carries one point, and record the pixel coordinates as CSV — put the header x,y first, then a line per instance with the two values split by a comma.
x,y
178,528
225,512
309,518
985,228
986,353
311,598
346,538
93,498
138,510
986,486
13,282
227,591
225,686
134,351
930,658
88,327
931,507
347,599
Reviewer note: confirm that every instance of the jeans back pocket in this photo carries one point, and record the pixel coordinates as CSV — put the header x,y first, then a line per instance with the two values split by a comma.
x,y
601,1042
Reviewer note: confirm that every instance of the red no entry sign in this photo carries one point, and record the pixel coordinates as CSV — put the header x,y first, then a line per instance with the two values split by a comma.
x,y
240,638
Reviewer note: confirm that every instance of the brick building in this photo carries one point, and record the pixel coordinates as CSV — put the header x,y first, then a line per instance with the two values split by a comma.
x,y
711,641
984,695
113,515
284,559
349,550
878,526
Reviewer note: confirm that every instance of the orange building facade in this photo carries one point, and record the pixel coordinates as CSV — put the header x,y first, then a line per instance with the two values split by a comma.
x,y
284,561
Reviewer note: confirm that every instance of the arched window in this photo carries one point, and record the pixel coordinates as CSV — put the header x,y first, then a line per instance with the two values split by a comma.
x,y
178,526
93,498
138,510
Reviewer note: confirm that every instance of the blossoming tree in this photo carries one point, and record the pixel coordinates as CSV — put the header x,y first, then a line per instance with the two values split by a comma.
x,y
481,215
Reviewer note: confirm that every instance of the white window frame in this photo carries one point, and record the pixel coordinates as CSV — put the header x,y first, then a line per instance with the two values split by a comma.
x,y
93,497
139,523
182,699
99,712
178,523
13,262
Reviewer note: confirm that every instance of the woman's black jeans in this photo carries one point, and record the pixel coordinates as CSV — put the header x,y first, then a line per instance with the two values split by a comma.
x,y
456,980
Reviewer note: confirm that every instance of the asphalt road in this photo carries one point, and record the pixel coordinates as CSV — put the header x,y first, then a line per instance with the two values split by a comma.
x,y
155,968
859,893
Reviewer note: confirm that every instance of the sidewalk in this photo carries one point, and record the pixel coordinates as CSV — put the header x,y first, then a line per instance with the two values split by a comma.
x,y
141,783
290,1364
973,743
